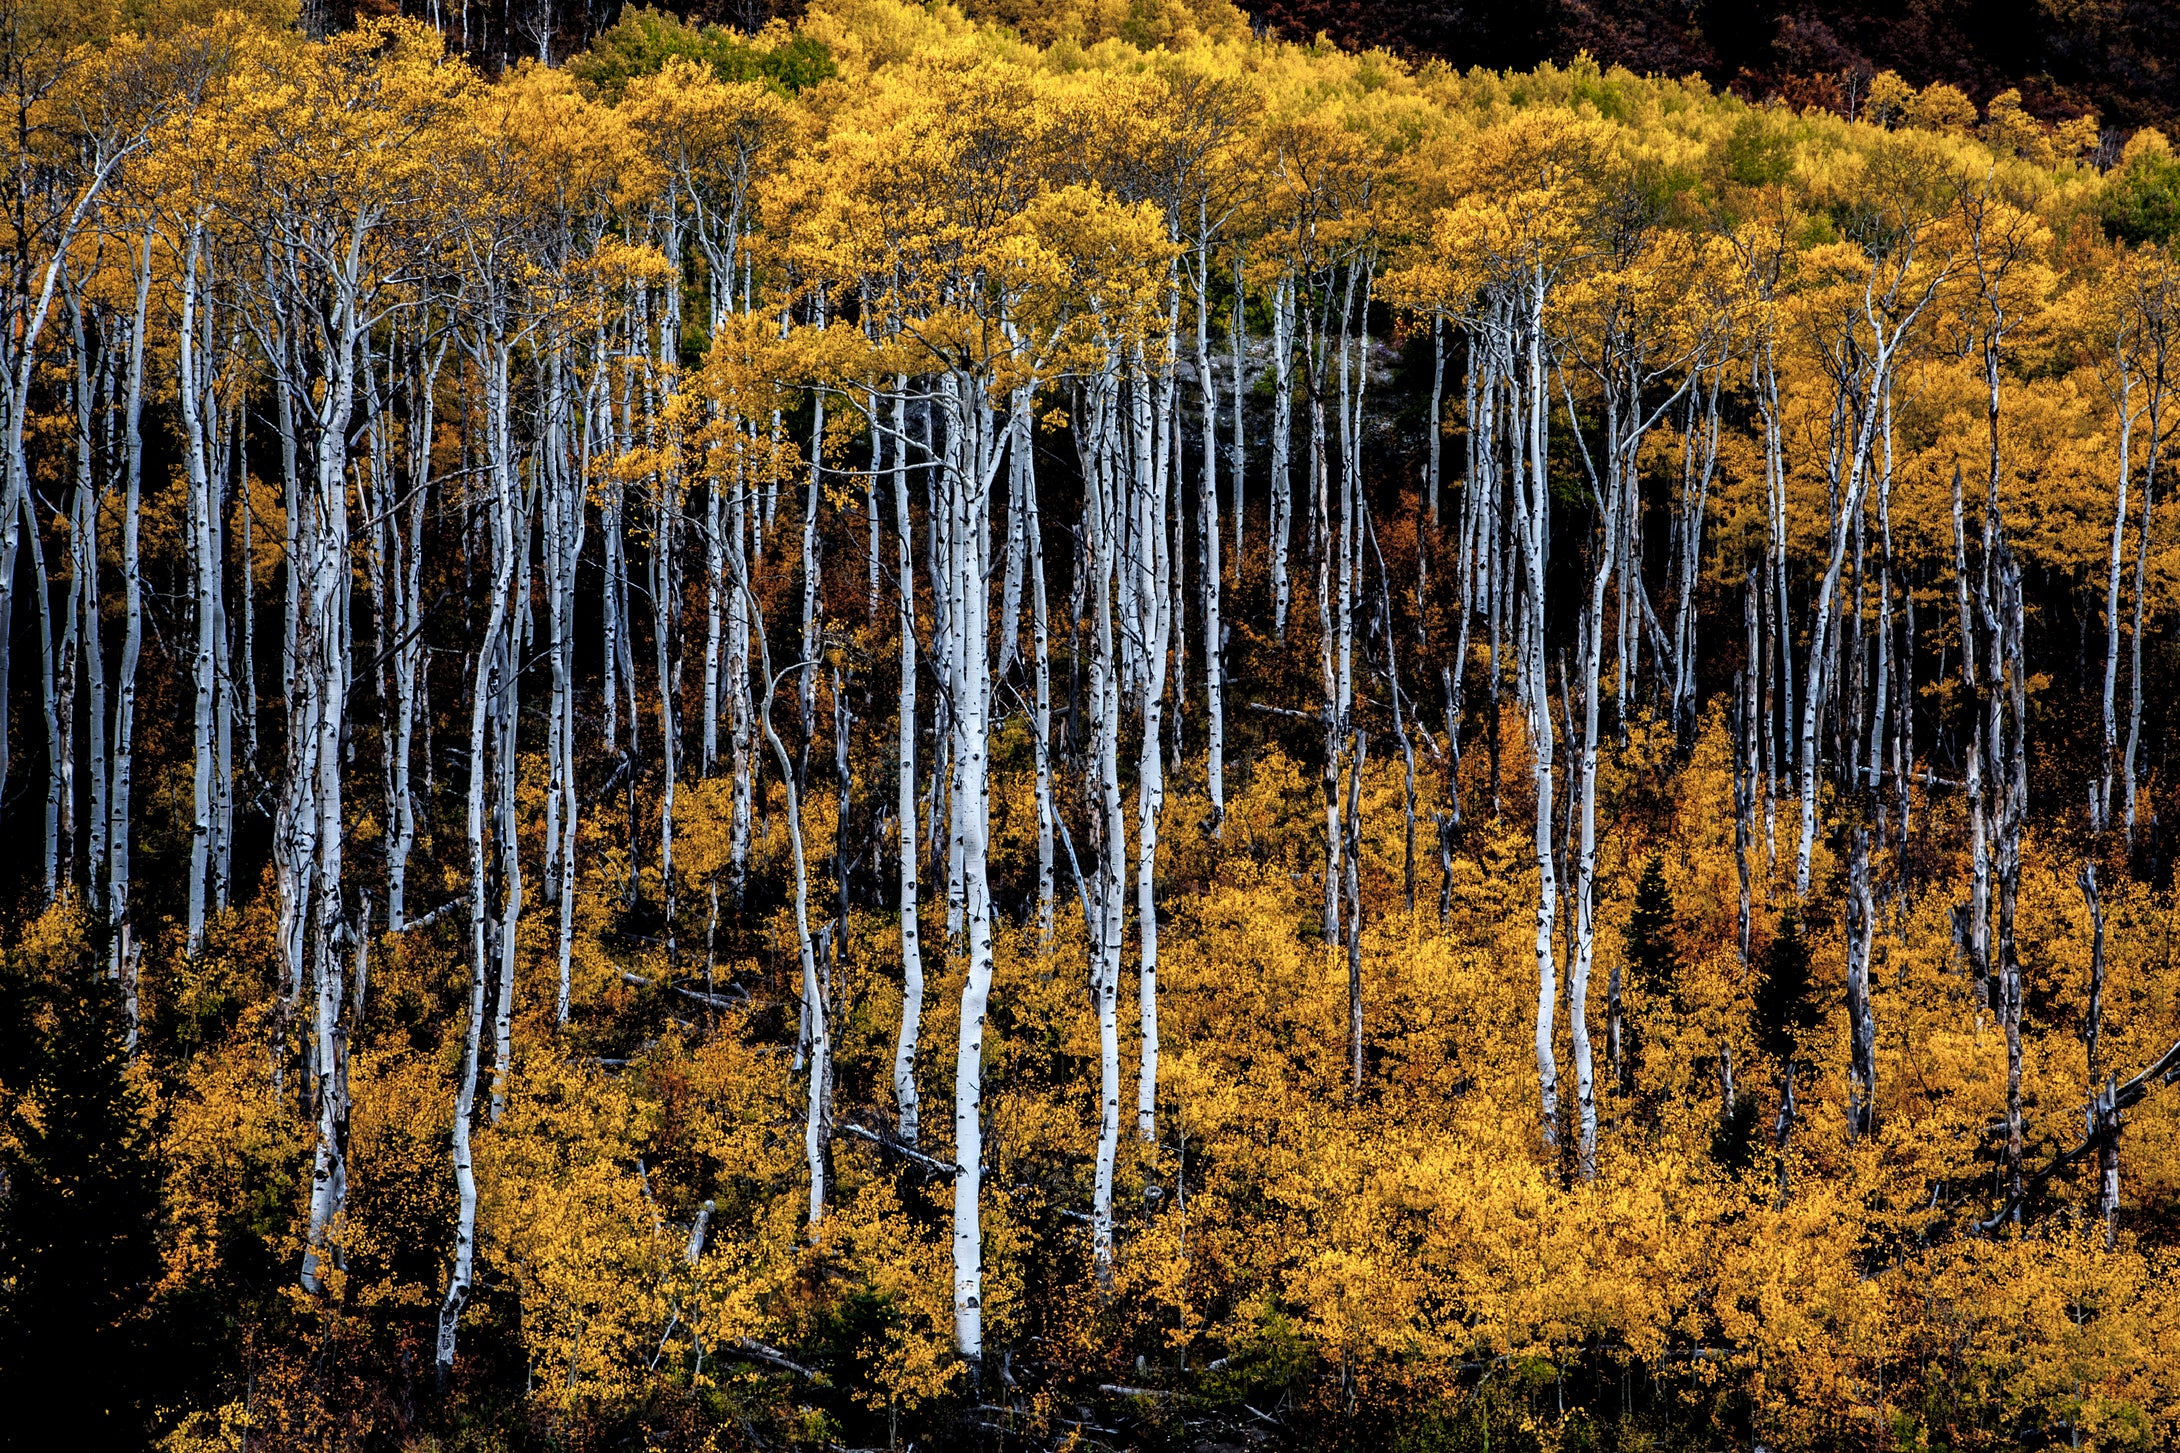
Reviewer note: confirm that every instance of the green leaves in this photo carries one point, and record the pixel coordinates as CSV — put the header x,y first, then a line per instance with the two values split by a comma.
x,y
1757,155
2142,199
646,39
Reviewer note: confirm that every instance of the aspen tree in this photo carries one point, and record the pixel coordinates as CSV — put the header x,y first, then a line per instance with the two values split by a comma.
x,y
404,532
2124,331
1149,622
2150,288
967,472
488,340
1637,330
1747,755
2103,1112
1434,426
1323,213
1384,627
1522,215
666,643
1861,1024
1869,778
1237,358
1764,251
2006,698
49,857
54,194
204,557
331,180
817,1032
1353,828
1861,324
812,597
1041,708
1101,511
1014,552
1210,568
494,329
91,499
561,504
1202,209
1281,525
1976,940
77,643
457,306
905,1099
120,797
1699,466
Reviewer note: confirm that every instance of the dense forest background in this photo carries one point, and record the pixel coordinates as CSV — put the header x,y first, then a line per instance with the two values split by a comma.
x,y
1076,727
2113,59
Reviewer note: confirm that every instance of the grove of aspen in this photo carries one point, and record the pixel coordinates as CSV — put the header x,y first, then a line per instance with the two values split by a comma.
x,y
1061,727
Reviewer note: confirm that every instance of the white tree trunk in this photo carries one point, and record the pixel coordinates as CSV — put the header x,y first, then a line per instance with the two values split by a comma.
x,y
968,479
1533,488
491,653
1282,521
204,586
905,1099
1153,626
2101,798
1210,568
510,571
1041,718
132,577
1592,644
1238,343
1103,513
1861,1025
816,1024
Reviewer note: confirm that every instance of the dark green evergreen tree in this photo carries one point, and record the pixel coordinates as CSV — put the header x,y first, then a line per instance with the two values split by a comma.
x,y
1652,959
1733,1139
1785,1004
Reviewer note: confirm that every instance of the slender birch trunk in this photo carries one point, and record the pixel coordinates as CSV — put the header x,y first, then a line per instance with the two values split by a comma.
x,y
1977,937
969,480
1861,1022
510,570
120,803
905,1099
2101,797
1592,637
1237,346
1533,523
1041,725
1154,569
1103,512
1353,828
1282,520
1210,568
204,586
2158,395
1434,427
